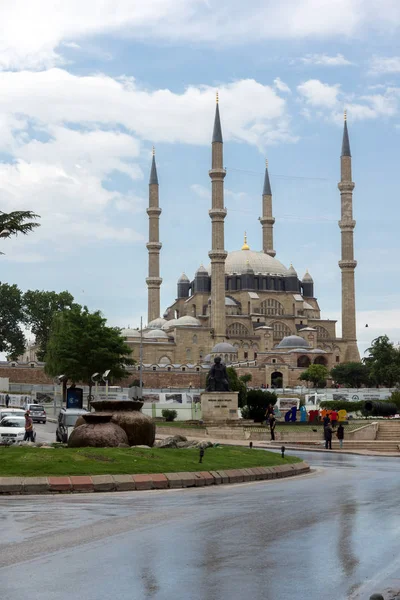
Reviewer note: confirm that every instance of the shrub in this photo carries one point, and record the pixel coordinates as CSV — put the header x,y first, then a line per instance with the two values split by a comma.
x,y
342,405
257,402
168,414
395,398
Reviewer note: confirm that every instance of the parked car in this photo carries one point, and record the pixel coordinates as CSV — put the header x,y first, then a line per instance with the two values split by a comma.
x,y
12,429
8,412
66,422
37,412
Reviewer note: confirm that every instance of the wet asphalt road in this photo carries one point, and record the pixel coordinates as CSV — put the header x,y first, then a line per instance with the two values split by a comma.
x,y
332,535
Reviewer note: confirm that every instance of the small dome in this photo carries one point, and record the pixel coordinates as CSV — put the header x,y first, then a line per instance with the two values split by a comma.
x,y
155,333
307,278
207,359
156,323
201,271
293,341
230,301
224,347
183,278
291,271
169,324
129,333
187,321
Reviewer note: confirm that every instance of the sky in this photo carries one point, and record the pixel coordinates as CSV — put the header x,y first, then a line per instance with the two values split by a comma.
x,y
87,88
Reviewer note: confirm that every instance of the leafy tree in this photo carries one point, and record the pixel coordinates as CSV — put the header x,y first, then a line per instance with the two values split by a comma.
x,y
246,378
39,310
12,340
237,385
317,374
81,344
135,383
257,403
351,374
383,362
19,221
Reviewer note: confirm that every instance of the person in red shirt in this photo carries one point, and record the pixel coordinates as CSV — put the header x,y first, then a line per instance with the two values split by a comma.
x,y
28,427
334,418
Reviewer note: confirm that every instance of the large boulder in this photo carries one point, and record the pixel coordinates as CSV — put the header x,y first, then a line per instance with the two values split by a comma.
x,y
97,435
171,442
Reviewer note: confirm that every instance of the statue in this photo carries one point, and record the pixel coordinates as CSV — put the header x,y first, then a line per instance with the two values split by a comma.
x,y
217,378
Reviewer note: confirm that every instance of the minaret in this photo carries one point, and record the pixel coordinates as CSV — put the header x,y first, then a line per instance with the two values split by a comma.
x,y
217,215
267,220
154,246
347,263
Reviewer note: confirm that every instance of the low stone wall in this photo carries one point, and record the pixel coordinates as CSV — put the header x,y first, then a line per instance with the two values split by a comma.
x,y
365,432
156,481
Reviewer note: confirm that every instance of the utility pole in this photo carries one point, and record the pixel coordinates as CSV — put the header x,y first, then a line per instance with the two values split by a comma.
x,y
141,359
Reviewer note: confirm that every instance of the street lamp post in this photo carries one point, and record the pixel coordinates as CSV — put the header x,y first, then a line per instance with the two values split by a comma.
x,y
141,360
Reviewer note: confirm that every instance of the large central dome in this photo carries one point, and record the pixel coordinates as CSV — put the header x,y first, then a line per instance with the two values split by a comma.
x,y
239,262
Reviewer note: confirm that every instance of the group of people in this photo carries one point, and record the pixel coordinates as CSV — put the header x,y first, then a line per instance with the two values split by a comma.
x,y
330,422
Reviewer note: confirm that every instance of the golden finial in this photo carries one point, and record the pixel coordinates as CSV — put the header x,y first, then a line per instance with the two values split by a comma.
x,y
345,115
154,151
266,163
245,245
216,98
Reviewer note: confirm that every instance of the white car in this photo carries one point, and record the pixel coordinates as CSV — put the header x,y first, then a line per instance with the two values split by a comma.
x,y
11,412
12,429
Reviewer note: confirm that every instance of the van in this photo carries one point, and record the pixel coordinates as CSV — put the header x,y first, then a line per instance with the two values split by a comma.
x,y
66,422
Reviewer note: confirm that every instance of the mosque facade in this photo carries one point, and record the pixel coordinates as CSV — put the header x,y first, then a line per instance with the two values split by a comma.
x,y
246,306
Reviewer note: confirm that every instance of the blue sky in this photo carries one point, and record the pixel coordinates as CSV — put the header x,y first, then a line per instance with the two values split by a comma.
x,y
88,88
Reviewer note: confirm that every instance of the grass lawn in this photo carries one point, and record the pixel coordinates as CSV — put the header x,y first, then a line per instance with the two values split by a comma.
x,y
31,462
180,424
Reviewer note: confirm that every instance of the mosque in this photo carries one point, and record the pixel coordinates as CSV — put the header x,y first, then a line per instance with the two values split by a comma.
x,y
246,306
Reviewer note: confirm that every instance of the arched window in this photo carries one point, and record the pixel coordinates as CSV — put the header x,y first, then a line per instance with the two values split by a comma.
x,y
237,329
195,339
164,360
303,362
320,360
188,354
272,308
322,333
280,330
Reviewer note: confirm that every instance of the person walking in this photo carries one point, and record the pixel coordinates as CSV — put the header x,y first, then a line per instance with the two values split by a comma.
x,y
7,400
272,425
28,437
340,435
334,418
328,437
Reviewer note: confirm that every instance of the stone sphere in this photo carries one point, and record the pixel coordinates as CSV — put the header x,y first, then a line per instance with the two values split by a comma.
x,y
97,435
140,429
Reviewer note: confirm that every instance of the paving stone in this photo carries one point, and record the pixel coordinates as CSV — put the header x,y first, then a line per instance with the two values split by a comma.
x,y
235,475
124,483
187,479
217,477
224,476
160,482
82,483
208,478
199,480
250,475
143,482
103,483
11,485
60,484
258,473
35,485
174,480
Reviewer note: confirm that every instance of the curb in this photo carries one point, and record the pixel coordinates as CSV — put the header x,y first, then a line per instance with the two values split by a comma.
x,y
154,481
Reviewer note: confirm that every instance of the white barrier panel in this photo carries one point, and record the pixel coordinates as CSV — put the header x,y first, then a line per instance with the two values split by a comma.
x,y
16,400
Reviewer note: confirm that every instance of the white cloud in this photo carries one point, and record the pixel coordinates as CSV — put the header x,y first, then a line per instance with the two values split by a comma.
x,y
31,33
319,94
325,60
281,86
382,65
201,191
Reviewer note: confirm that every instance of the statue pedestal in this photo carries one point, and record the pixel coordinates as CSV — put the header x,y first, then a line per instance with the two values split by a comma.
x,y
219,406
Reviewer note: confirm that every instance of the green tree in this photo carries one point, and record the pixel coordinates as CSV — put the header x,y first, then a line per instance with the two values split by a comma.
x,y
39,310
383,362
246,378
351,374
237,385
12,339
257,403
19,221
81,344
317,374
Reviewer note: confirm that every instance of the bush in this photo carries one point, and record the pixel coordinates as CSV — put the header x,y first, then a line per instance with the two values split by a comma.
x,y
257,402
343,405
168,414
395,398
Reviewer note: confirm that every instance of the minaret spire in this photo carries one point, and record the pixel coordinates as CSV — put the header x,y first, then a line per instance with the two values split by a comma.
x,y
347,263
267,220
154,246
217,214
